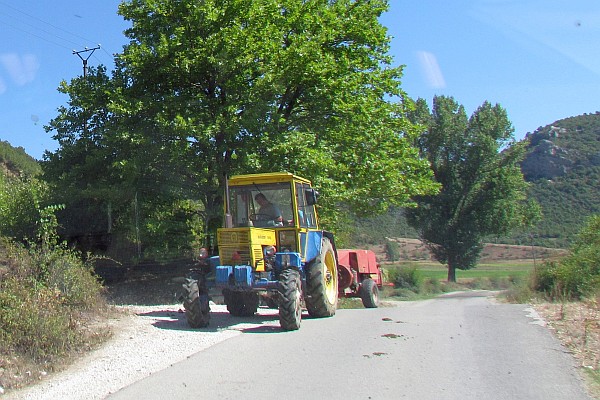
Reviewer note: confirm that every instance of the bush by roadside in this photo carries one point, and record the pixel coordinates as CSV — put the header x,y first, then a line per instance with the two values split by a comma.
x,y
49,299
576,276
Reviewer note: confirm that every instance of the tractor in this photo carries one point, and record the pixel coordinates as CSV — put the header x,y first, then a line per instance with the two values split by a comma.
x,y
273,250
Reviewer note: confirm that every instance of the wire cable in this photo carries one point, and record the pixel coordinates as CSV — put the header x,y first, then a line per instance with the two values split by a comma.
x,y
49,24
47,33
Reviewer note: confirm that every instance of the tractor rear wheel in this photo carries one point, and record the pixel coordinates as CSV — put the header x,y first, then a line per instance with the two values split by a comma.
x,y
195,303
290,304
241,303
369,293
322,283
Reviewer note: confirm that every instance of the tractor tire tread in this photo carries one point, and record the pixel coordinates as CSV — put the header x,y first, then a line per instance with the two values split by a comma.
x,y
317,301
290,309
196,304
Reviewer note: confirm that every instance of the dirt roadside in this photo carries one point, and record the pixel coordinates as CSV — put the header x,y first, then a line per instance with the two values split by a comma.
x,y
577,326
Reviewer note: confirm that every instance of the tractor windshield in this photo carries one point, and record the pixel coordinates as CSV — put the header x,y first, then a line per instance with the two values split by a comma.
x,y
261,205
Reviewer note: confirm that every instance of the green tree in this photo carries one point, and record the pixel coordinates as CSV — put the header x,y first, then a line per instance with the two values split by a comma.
x,y
207,89
20,202
476,162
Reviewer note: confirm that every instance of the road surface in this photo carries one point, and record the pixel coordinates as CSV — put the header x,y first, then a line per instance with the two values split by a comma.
x,y
461,346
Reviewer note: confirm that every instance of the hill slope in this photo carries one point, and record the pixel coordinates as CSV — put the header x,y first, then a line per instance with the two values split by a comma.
x,y
563,166
15,162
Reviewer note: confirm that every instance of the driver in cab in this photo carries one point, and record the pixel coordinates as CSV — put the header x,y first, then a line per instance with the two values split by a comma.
x,y
268,214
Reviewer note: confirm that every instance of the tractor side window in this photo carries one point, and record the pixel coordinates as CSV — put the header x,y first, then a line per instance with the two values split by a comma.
x,y
301,201
306,213
241,206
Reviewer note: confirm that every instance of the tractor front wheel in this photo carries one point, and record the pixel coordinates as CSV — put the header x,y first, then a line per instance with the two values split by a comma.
x,y
290,304
322,283
195,303
369,293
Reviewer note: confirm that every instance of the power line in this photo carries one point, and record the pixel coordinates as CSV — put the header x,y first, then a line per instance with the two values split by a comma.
x,y
46,35
36,35
47,23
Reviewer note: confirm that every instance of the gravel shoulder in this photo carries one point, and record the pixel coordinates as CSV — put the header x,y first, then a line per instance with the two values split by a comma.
x,y
146,339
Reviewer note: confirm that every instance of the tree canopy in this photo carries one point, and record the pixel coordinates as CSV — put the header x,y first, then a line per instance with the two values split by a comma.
x,y
207,89
483,193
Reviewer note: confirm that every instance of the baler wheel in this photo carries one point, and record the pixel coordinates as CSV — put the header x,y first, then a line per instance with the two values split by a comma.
x,y
290,307
369,293
195,303
322,283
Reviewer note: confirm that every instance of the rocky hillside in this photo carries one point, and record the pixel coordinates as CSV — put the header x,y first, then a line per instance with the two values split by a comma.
x,y
563,166
557,149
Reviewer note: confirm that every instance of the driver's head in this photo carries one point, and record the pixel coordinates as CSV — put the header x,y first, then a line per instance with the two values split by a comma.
x,y
261,199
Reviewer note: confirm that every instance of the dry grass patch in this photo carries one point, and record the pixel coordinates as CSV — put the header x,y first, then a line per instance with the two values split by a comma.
x,y
577,326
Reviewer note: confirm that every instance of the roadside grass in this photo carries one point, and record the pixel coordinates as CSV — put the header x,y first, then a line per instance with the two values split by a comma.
x,y
577,325
349,303
593,377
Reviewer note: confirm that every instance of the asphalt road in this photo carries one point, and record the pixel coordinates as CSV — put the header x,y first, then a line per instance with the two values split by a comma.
x,y
456,347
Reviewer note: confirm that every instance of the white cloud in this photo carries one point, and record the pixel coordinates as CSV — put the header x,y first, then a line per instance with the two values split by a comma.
x,y
21,68
431,70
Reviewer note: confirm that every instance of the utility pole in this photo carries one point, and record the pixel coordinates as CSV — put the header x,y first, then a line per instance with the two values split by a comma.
x,y
85,59
85,63
85,129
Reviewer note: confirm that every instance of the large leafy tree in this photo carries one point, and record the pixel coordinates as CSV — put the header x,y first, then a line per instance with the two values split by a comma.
x,y
206,89
477,163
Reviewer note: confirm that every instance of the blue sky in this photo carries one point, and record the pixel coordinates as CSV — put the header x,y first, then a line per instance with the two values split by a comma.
x,y
539,59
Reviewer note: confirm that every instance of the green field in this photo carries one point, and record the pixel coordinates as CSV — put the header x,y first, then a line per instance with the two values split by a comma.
x,y
426,279
495,270
506,269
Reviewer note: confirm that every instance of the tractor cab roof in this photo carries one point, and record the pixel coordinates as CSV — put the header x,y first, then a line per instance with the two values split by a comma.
x,y
270,177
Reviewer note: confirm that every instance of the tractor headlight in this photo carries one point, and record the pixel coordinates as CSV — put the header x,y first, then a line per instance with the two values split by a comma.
x,y
203,253
269,251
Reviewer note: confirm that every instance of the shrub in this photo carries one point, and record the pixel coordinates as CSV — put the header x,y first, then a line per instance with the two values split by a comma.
x,y
519,293
392,250
407,277
18,206
43,292
431,286
577,275
32,321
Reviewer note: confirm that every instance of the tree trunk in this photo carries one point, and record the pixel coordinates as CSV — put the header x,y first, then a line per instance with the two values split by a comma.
x,y
451,273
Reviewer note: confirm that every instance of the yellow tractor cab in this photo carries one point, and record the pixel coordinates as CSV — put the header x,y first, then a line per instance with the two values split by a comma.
x,y
283,205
